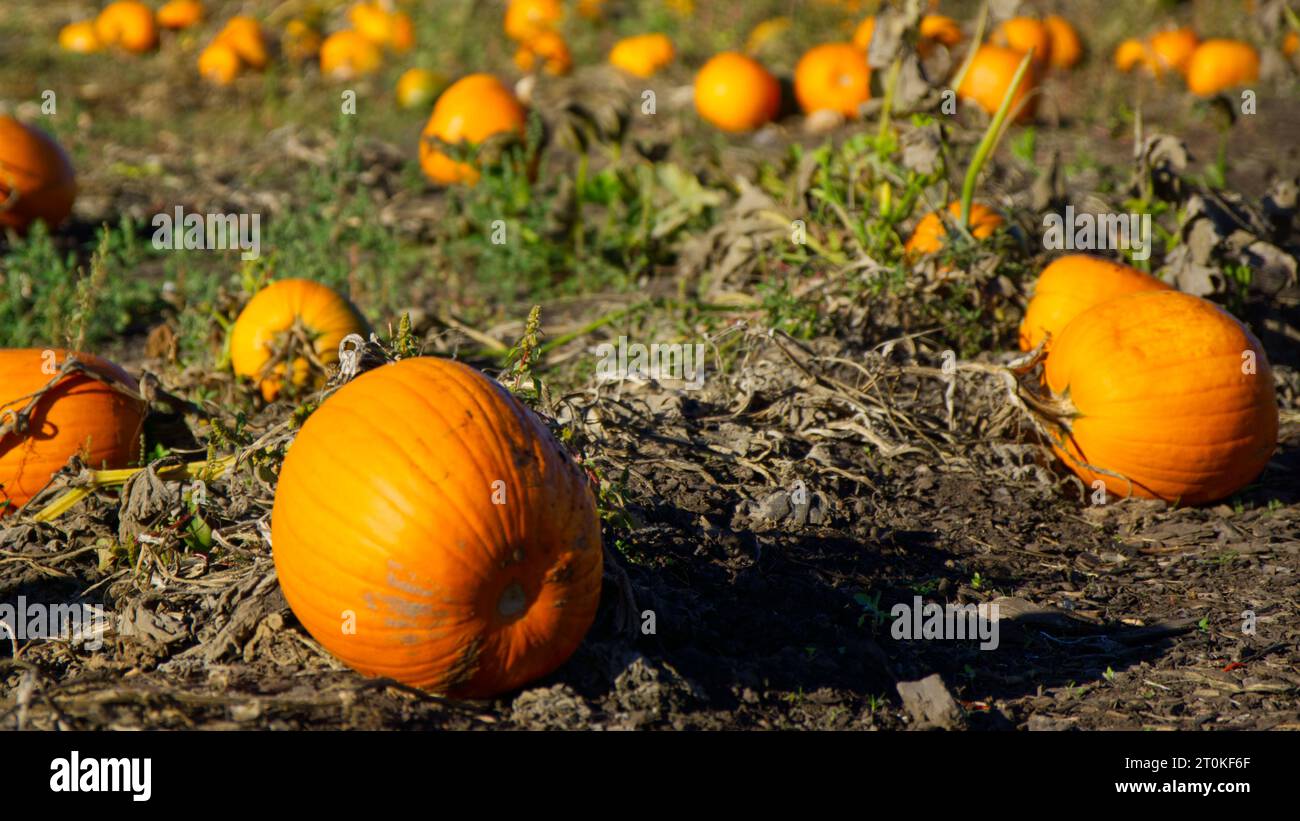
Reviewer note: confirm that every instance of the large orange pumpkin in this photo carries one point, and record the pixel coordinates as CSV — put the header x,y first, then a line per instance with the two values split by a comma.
x,y
317,313
989,76
127,24
735,93
36,179
1163,395
428,528
1218,65
472,110
832,77
931,232
1071,285
79,415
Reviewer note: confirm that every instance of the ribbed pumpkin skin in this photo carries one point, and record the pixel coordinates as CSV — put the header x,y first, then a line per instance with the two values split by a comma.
x,y
385,509
1157,380
1071,285
79,415
36,167
273,311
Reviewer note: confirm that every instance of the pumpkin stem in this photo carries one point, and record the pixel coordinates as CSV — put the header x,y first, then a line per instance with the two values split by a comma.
x,y
17,421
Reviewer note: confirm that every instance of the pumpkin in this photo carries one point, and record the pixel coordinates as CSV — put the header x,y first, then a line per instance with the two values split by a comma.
x,y
79,415
472,110
863,33
735,93
834,77
1130,54
219,64
547,51
934,28
286,315
1218,65
428,528
1172,50
642,55
1067,48
244,35
418,88
346,54
383,28
1291,43
930,232
79,37
300,42
525,19
36,179
180,14
1020,34
1071,285
127,24
1162,395
989,76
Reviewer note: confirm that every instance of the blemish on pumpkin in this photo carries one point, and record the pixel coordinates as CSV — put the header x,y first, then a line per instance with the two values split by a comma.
x,y
513,601
405,586
407,608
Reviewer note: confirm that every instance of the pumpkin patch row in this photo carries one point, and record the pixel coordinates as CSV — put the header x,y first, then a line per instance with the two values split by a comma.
x,y
1208,67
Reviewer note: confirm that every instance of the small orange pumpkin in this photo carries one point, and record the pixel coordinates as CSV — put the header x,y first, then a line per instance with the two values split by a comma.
x,y
834,77
346,54
418,88
1218,65
244,35
300,41
934,28
642,55
383,28
989,77
1171,50
931,232
36,179
1162,395
1071,285
863,33
1067,48
219,64
735,93
1291,43
1020,34
314,314
525,19
548,50
1130,54
79,38
428,528
472,110
127,24
180,14
79,415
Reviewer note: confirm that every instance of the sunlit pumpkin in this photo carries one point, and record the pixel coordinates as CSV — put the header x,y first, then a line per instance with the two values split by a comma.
x,y
219,64
418,88
79,38
1219,65
127,24
525,19
931,232
389,29
1020,34
79,415
244,35
470,111
642,55
346,54
1067,48
1130,54
36,179
1171,50
294,318
735,93
546,51
428,528
989,77
1162,395
180,14
300,42
832,77
864,32
1071,285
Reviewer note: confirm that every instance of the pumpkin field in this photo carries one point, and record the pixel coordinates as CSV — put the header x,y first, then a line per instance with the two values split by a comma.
x,y
649,364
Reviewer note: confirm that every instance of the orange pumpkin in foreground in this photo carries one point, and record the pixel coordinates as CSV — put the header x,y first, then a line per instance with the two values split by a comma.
x,y
36,179
833,77
472,110
427,527
931,232
321,315
989,77
1219,65
735,93
80,415
1071,285
1164,396
128,25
